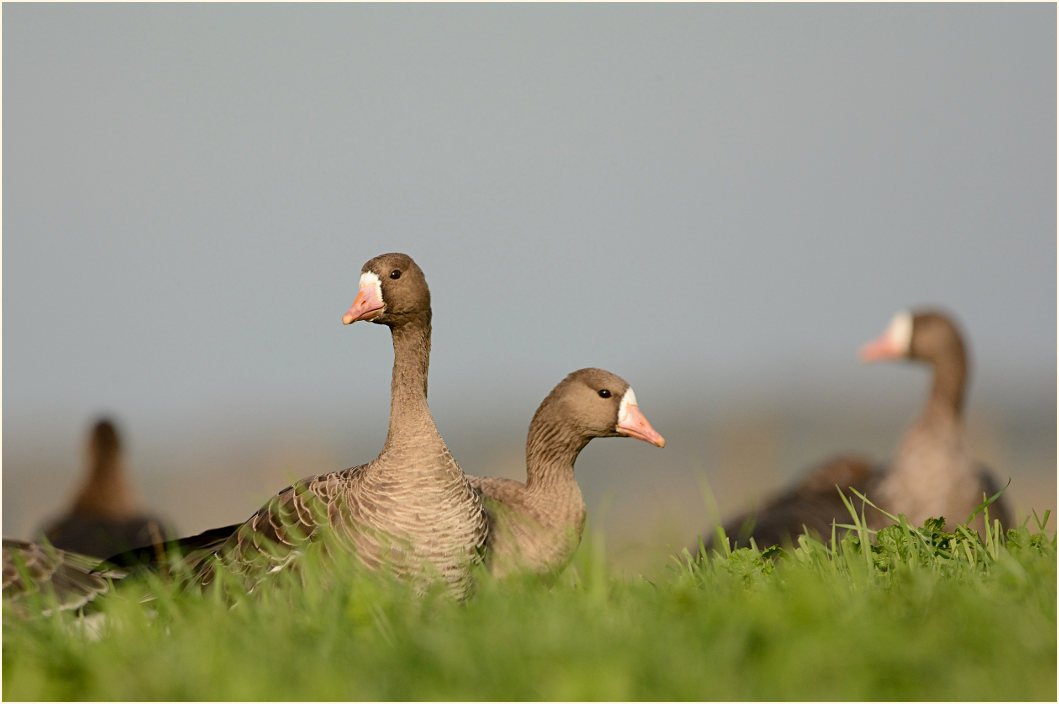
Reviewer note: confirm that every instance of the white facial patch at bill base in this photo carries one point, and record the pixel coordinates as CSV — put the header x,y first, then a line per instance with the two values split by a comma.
x,y
629,399
900,332
370,278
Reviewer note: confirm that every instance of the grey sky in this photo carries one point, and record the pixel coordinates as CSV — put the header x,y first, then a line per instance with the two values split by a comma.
x,y
709,200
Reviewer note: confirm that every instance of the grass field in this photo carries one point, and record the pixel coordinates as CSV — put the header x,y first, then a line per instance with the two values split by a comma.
x,y
918,615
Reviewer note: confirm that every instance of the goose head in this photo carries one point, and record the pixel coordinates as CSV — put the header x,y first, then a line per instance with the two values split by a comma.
x,y
393,290
925,335
597,403
104,443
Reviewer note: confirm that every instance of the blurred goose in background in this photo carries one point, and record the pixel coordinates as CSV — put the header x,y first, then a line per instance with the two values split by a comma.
x,y
931,475
411,509
536,526
104,518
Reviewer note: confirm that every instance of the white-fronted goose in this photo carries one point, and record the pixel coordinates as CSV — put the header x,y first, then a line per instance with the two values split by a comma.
x,y
931,475
104,519
537,526
411,509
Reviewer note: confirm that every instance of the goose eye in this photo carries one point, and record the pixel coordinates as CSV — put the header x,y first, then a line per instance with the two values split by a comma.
x,y
395,274
604,393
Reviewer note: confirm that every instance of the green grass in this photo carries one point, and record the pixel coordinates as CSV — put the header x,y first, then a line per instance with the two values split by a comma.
x,y
920,614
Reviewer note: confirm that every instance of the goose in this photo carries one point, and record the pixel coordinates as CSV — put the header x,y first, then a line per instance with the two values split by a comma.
x,y
104,519
931,474
410,510
536,526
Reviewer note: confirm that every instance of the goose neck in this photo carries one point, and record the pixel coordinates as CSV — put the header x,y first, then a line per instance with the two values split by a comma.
x,y
551,450
409,412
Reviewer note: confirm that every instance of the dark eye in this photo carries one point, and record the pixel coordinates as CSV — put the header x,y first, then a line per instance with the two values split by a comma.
x,y
604,393
395,274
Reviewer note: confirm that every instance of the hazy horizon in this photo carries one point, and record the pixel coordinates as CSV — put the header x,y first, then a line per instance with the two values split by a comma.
x,y
718,202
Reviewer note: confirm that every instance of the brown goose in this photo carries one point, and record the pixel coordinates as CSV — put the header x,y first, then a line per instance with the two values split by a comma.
x,y
537,526
931,475
411,509
104,518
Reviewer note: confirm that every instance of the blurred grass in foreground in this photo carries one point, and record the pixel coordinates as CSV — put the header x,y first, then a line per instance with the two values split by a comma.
x,y
921,614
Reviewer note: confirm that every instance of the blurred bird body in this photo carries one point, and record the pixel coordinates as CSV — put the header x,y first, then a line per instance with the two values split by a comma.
x,y
104,518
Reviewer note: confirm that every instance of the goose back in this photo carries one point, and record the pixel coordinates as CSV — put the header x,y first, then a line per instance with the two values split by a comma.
x,y
810,506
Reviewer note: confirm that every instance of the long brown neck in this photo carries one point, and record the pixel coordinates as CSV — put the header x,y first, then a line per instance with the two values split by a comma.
x,y
551,450
947,390
106,493
409,413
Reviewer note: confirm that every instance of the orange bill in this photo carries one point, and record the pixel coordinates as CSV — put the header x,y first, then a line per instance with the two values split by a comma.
x,y
879,349
636,426
366,306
